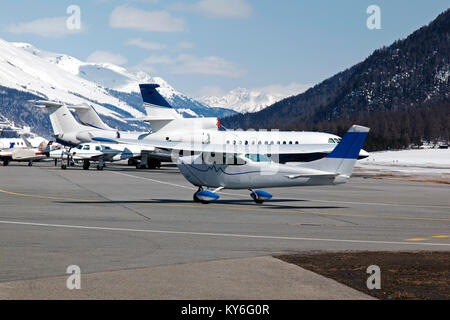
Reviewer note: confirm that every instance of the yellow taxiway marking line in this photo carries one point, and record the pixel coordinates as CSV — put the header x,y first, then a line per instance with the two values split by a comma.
x,y
269,208
441,236
417,239
44,197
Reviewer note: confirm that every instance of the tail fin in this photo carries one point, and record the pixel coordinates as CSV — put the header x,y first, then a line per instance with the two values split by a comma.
x,y
343,158
61,118
159,111
88,116
151,96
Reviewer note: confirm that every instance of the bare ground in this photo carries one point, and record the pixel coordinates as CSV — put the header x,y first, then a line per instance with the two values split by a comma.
x,y
422,275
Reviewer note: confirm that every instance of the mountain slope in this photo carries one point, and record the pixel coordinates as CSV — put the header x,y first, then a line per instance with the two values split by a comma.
x,y
124,84
112,90
245,100
407,80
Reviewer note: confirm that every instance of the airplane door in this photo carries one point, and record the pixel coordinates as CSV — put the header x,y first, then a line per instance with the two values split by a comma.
x,y
206,138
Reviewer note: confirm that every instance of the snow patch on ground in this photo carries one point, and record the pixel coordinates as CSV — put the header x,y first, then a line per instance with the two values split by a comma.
x,y
422,164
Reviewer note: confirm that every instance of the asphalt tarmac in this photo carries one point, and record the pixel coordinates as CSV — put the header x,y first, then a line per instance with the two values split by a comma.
x,y
123,219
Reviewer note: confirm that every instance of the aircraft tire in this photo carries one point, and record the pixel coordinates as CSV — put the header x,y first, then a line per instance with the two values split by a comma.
x,y
255,199
196,199
64,167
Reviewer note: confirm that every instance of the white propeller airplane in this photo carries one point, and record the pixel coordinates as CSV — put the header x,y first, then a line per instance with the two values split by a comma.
x,y
87,152
219,167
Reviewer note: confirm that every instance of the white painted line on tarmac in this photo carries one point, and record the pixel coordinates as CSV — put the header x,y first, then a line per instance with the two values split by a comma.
x,y
315,200
172,184
229,235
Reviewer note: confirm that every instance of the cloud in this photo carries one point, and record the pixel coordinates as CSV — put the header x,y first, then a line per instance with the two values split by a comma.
x,y
185,45
185,64
223,9
146,45
45,27
215,66
144,1
107,57
126,17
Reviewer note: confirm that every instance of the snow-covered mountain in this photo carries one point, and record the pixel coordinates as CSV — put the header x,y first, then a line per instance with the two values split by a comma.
x,y
112,90
124,84
245,100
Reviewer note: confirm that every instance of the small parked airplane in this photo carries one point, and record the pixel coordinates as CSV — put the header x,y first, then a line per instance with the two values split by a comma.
x,y
26,153
87,152
220,167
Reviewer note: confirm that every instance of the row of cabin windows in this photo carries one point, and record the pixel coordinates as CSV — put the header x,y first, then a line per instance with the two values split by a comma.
x,y
260,142
330,140
88,147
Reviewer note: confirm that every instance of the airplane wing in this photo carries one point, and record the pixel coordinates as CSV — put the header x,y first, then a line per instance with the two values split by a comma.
x,y
224,148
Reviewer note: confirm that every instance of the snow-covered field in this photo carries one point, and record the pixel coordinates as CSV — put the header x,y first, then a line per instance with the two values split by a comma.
x,y
420,164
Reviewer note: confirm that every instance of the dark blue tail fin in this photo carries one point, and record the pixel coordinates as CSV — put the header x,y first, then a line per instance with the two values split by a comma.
x,y
151,95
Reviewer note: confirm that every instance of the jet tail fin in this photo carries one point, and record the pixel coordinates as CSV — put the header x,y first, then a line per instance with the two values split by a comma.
x,y
61,118
159,112
89,116
343,158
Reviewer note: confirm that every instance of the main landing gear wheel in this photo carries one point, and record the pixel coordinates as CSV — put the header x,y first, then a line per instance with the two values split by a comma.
x,y
63,166
86,165
259,196
99,167
255,198
196,199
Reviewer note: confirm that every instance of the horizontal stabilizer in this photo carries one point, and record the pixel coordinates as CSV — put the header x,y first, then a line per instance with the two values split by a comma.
x,y
313,175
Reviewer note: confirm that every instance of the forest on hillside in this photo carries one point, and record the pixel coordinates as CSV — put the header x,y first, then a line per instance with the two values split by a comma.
x,y
401,92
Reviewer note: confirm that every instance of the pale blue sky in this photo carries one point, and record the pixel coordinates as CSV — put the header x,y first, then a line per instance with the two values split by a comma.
x,y
202,45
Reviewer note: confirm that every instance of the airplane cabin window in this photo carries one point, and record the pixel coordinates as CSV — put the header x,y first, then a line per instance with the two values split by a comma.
x,y
258,157
87,147
97,148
